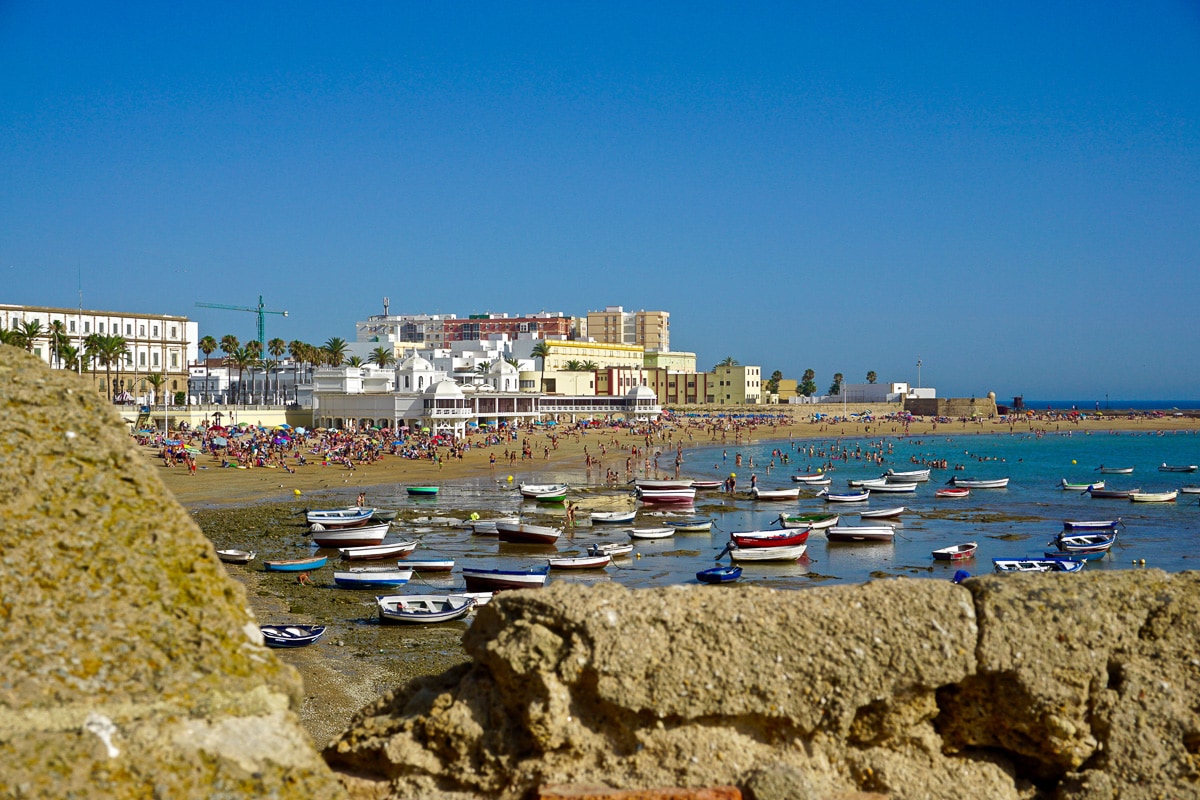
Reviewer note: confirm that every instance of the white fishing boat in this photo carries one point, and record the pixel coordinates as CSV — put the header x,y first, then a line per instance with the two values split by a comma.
x,y
817,522
536,490
911,476
980,483
339,517
816,477
783,553
882,513
580,562
844,497
372,577
775,494
861,533
1103,470
236,556
650,533
1081,487
613,549
523,533
358,536
677,495
612,517
1154,497
378,551
423,609
881,485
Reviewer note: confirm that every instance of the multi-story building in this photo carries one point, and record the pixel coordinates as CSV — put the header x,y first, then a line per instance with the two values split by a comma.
x,y
737,384
477,327
650,329
682,388
425,330
678,362
154,343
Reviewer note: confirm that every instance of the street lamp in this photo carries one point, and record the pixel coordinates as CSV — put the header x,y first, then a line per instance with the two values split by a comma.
x,y
918,372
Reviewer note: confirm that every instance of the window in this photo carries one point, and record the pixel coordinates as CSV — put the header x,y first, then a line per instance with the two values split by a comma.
x,y
155,359
154,331
71,329
87,327
174,360
100,327
172,331
141,330
142,359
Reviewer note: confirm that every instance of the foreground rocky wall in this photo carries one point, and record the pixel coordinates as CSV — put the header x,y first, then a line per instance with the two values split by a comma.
x,y
130,664
1063,686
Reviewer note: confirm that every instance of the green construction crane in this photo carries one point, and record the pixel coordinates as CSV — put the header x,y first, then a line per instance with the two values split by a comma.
x,y
262,324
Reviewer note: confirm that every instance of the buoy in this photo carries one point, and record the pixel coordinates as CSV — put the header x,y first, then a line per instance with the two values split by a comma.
x,y
474,515
296,492
1142,563
733,474
1073,461
510,478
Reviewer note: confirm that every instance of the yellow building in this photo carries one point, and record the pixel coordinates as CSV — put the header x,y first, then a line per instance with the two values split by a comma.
x,y
615,325
675,362
602,355
738,385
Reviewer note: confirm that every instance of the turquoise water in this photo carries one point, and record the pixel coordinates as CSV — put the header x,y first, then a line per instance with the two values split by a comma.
x,y
1012,522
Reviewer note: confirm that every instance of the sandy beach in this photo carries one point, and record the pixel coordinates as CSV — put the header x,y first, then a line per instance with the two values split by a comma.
x,y
361,661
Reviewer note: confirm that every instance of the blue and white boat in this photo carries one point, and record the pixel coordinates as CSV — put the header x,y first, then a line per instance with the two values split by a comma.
x,y
719,574
291,635
372,577
1057,563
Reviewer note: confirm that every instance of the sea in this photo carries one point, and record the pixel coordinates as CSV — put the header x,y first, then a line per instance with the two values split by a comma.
x,y
1018,521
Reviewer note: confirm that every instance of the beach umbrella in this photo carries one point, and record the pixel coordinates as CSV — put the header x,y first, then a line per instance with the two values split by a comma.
x,y
220,441
284,425
300,430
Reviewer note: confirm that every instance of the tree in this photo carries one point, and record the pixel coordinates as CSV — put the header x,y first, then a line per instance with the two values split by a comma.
x,y
727,361
109,350
541,350
9,336
574,365
157,380
835,388
57,336
589,366
28,332
242,358
354,361
514,361
68,357
871,376
335,351
773,382
383,356
808,383
276,347
208,345
483,366
298,350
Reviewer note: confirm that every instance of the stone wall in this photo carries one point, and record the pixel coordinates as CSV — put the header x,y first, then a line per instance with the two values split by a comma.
x,y
954,407
130,664
1024,686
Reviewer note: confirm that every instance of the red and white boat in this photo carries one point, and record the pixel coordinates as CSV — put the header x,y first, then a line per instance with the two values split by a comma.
x,y
362,535
681,483
770,538
687,495
952,492
522,533
959,552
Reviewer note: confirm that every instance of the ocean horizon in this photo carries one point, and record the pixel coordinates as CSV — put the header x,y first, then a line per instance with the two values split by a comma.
x,y
1114,405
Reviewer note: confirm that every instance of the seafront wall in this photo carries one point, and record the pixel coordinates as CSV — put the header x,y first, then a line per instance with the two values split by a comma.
x,y
132,667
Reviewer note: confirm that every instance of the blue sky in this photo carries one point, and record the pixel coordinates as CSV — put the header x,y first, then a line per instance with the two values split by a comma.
x,y
1009,192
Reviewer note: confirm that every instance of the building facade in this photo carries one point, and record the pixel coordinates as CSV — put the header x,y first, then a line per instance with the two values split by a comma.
x,y
154,344
738,385
649,329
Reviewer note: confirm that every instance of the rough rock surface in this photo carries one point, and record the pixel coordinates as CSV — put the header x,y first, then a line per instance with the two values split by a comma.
x,y
1065,686
130,665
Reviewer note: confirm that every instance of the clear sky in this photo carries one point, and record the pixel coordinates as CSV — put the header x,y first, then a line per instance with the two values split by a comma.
x,y
1008,191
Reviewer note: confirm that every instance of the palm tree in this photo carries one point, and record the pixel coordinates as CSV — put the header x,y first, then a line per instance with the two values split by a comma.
x,y
541,350
773,382
297,350
276,347
242,358
383,356
589,366
9,336
157,380
335,350
483,366
871,376
727,361
109,351
808,383
68,357
836,386
208,345
573,365
57,335
354,361
514,361
28,332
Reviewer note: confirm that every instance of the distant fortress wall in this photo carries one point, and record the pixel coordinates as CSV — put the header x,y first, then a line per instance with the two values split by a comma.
x,y
951,407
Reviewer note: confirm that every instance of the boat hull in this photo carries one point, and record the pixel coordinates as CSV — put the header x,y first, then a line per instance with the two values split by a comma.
x,y
520,533
295,565
719,574
959,552
789,553
482,580
423,609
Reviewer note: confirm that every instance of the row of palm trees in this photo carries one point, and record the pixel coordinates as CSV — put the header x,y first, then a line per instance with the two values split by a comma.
x,y
98,350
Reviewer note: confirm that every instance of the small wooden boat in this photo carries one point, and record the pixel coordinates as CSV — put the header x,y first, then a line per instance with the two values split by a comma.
x,y
611,517
497,579
236,556
775,494
291,635
1081,487
719,574
1113,494
654,485
1154,497
376,552
429,564
861,533
1084,545
422,491
881,486
522,533
1103,470
480,598
882,513
580,562
549,497
423,609
687,495
814,477
536,490
844,497
690,525
958,552
650,533
1047,564
911,476
613,549
382,515
1190,489
487,527
358,536
787,553
816,522
372,577
826,481
981,483
1090,524
296,564
1176,467
952,492
339,517
770,538
707,486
